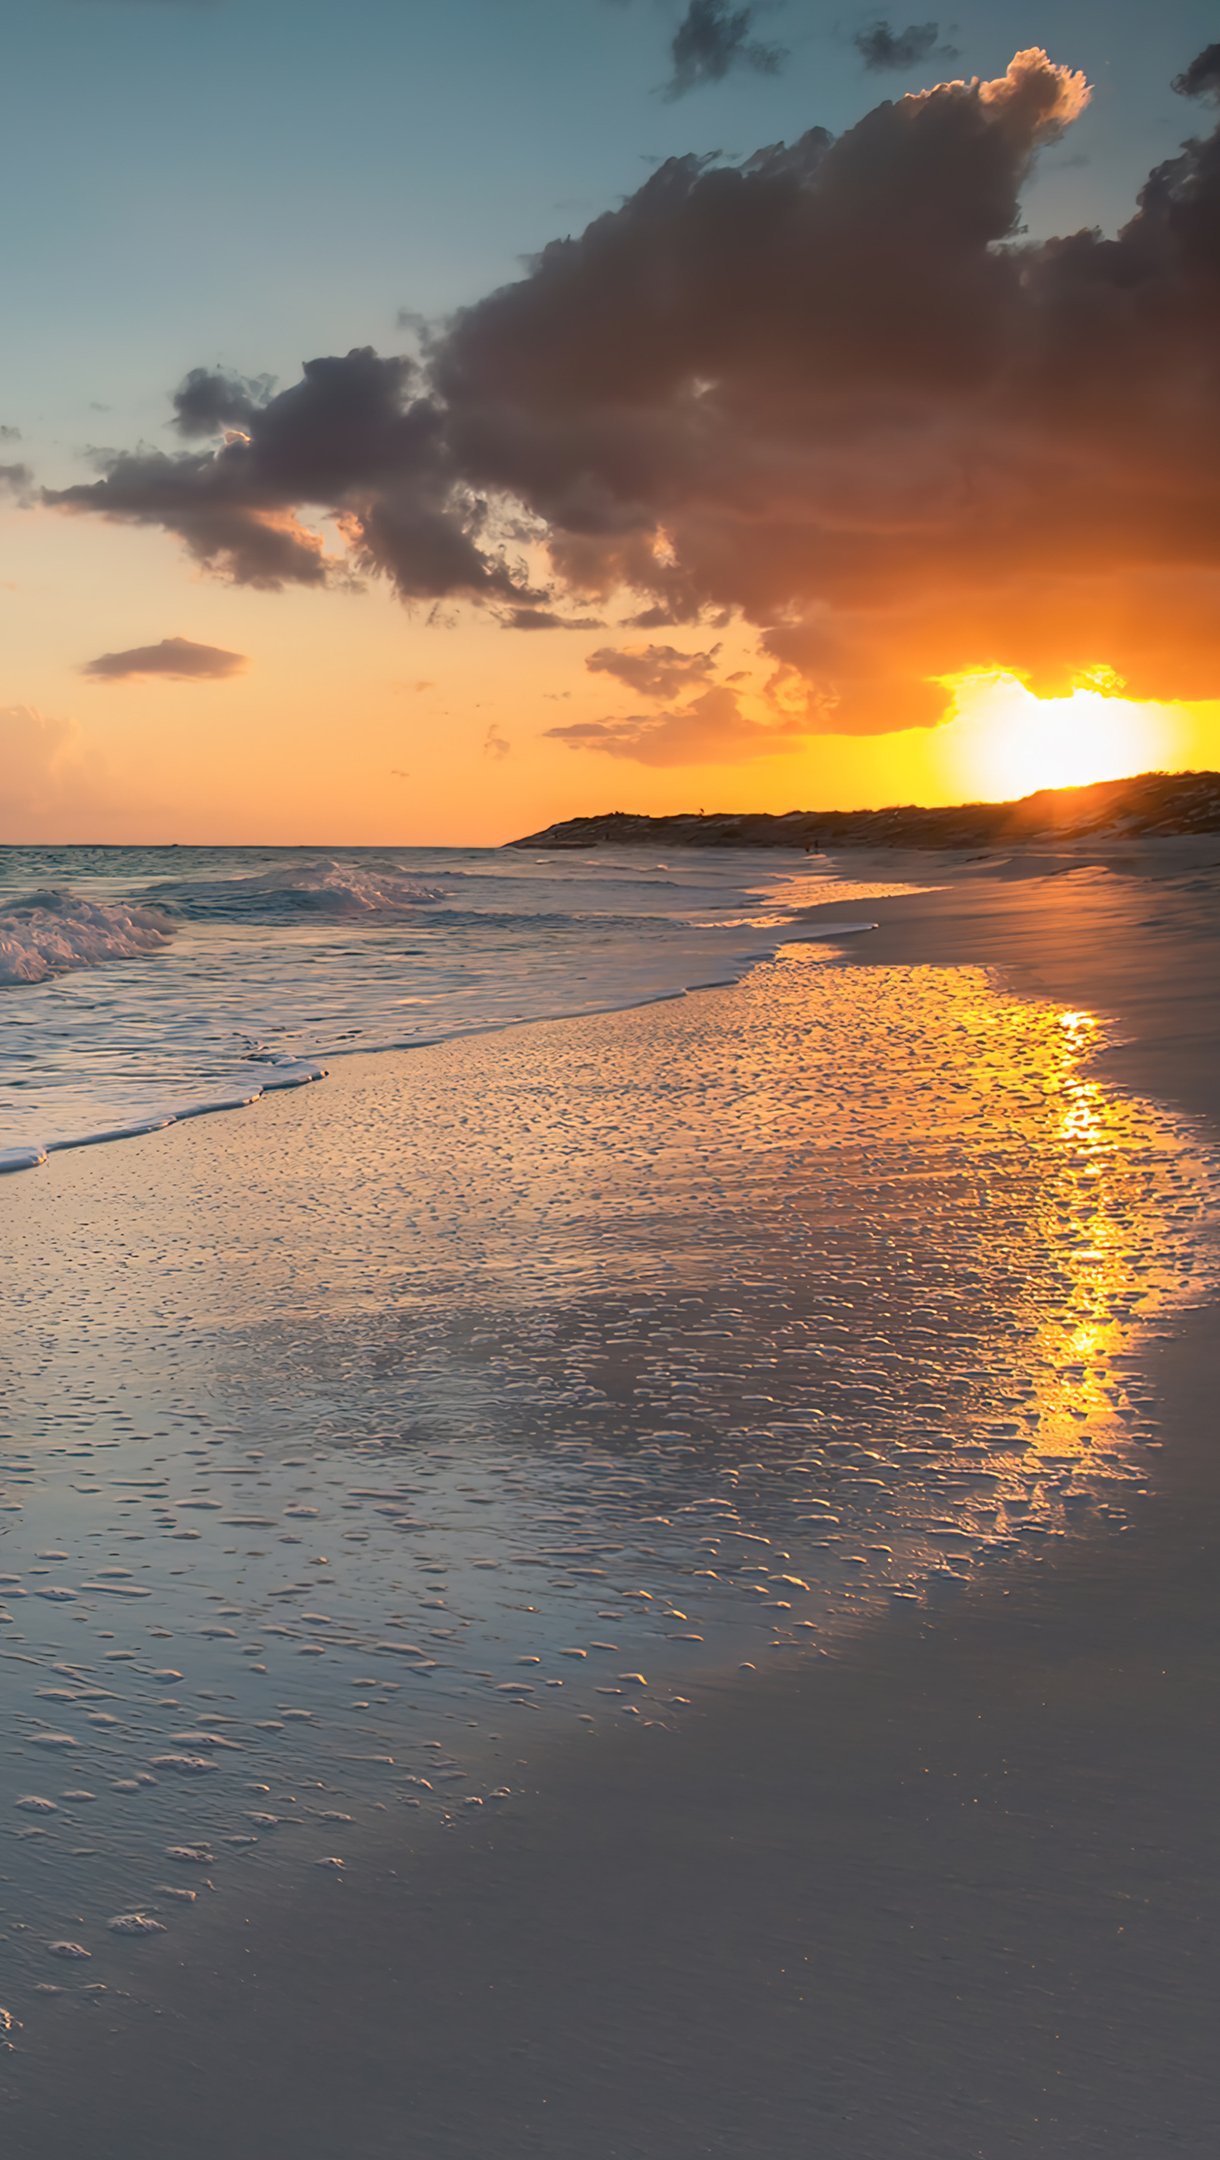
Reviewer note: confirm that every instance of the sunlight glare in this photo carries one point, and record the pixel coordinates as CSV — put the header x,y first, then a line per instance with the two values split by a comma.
x,y
1005,742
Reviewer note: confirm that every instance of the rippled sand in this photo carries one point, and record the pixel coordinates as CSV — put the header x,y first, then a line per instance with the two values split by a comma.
x,y
355,1452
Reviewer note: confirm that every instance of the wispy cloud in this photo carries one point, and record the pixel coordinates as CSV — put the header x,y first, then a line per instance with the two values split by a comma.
x,y
654,671
712,41
53,783
711,730
882,48
540,618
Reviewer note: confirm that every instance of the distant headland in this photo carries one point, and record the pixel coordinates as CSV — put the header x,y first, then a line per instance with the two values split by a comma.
x,y
1147,804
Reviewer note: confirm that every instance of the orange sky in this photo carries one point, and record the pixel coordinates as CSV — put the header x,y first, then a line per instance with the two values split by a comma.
x,y
921,464
359,721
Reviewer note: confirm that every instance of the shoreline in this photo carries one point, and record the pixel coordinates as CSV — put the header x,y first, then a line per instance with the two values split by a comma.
x,y
940,1893
275,1074
938,939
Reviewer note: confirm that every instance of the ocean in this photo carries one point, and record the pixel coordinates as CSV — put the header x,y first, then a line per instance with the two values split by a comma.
x,y
140,985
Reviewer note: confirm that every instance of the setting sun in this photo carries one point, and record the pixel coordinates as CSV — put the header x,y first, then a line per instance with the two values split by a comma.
x,y
609,1079
1006,742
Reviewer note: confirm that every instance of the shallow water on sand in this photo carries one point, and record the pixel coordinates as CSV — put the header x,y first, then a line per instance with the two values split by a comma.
x,y
531,1384
139,985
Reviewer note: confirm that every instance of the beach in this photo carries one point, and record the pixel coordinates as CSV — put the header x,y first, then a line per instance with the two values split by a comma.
x,y
610,1083
919,1859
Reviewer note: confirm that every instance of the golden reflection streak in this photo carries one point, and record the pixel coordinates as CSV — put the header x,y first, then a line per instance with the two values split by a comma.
x,y
1078,1346
1100,1199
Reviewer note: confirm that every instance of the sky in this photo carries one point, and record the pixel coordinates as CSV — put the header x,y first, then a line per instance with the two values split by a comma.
x,y
419,422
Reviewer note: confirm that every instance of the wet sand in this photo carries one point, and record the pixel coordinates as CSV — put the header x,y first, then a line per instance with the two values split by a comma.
x,y
1131,935
951,1891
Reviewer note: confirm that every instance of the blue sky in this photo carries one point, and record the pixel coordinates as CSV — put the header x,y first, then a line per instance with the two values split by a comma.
x,y
254,181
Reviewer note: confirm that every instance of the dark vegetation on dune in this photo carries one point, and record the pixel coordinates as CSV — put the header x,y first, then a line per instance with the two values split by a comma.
x,y
1149,804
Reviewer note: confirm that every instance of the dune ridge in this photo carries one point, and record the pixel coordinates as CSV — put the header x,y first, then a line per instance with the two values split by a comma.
x,y
1161,804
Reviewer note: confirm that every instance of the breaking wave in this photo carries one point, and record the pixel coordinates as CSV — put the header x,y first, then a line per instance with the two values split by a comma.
x,y
50,933
343,891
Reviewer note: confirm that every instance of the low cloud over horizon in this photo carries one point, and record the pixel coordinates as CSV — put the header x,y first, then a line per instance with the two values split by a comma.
x,y
175,658
828,391
711,729
53,782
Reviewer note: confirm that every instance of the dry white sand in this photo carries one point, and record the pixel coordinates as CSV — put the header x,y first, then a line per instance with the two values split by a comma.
x,y
953,1893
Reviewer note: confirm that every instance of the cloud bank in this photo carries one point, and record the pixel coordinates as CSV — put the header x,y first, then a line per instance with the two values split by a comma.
x,y
830,391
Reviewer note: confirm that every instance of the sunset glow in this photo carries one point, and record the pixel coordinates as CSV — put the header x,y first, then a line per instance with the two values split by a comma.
x,y
1006,742
609,1079
395,543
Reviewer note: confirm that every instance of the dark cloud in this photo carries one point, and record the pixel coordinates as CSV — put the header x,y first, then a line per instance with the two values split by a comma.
x,y
430,544
653,671
1202,77
214,504
882,48
666,614
210,400
177,658
16,480
350,440
10,434
712,40
830,391
496,745
540,618
711,730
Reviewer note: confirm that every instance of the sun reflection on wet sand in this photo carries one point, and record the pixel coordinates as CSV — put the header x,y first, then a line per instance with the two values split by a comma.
x,y
1102,1223
504,1377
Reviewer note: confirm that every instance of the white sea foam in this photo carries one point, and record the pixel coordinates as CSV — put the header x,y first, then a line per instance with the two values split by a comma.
x,y
325,887
22,1158
282,961
285,1073
50,933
